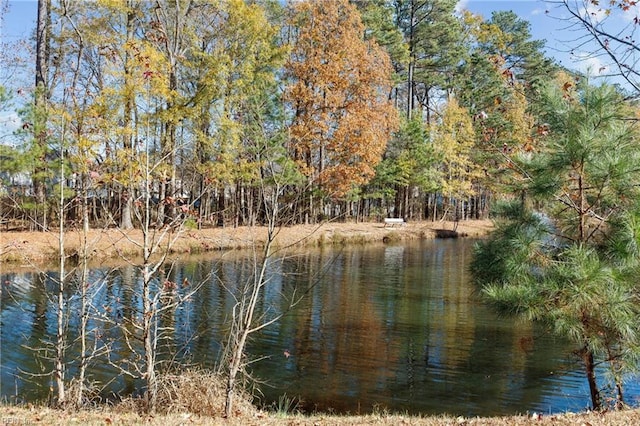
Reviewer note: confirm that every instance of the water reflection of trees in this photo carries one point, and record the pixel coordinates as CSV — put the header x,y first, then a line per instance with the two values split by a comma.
x,y
386,328
398,326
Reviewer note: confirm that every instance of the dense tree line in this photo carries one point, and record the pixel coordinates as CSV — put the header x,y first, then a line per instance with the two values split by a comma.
x,y
369,109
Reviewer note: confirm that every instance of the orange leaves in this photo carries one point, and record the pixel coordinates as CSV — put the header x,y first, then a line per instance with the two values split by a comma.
x,y
627,4
542,129
624,5
343,117
566,86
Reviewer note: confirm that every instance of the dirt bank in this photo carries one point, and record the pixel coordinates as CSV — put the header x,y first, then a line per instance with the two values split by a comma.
x,y
41,248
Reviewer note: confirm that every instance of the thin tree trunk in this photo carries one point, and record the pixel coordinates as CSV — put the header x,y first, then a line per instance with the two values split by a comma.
x,y
619,395
221,206
84,284
127,195
59,372
148,312
582,209
435,208
161,204
149,340
587,357
411,65
41,97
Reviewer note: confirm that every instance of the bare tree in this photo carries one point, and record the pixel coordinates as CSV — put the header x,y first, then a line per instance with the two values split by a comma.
x,y
244,320
608,34
60,366
275,174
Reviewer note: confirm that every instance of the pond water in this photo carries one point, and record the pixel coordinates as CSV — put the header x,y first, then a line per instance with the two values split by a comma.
x,y
395,327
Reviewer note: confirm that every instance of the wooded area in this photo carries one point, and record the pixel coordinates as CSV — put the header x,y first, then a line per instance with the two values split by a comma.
x,y
359,110
232,112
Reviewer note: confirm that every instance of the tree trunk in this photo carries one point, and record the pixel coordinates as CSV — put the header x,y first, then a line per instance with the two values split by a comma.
x,y
148,309
234,368
221,206
127,194
149,342
590,368
162,199
59,369
127,210
84,284
411,64
41,97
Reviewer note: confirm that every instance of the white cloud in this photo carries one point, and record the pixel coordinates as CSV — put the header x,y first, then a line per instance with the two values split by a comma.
x,y
462,5
589,64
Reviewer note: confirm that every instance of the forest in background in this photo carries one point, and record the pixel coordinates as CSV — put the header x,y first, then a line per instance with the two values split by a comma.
x,y
232,112
347,110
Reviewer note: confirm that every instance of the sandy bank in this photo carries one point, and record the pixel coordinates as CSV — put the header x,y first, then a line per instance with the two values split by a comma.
x,y
41,248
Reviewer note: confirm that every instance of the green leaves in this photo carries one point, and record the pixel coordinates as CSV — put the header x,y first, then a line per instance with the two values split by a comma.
x,y
572,264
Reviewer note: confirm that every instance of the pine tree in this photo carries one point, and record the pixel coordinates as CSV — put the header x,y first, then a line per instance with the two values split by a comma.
x,y
556,264
433,35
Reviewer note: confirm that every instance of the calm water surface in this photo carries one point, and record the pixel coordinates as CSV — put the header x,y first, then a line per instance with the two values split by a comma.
x,y
388,326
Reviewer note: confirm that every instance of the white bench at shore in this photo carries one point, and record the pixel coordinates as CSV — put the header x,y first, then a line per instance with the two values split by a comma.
x,y
392,221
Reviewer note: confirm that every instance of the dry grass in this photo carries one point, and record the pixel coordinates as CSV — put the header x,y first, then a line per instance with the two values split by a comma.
x,y
30,415
197,397
39,249
199,392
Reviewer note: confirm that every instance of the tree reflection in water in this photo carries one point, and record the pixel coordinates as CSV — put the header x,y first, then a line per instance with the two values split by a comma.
x,y
393,326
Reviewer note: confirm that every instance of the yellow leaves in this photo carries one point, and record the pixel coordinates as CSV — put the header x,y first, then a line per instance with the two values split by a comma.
x,y
491,33
125,167
472,20
520,122
113,4
228,169
150,69
567,84
247,46
454,139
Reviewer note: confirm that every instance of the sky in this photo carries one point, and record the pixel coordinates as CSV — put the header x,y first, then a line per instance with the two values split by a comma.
x,y
21,18
17,23
548,23
545,17
566,43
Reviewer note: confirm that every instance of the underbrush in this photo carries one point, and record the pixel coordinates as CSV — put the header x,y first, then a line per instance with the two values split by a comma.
x,y
199,392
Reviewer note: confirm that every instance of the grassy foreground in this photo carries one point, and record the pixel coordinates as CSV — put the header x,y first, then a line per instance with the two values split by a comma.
x,y
198,396
13,415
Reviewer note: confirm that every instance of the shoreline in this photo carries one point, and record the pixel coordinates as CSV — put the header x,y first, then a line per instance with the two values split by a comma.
x,y
20,249
31,249
114,415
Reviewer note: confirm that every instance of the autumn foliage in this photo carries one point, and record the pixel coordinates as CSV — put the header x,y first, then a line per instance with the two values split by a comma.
x,y
339,97
224,98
